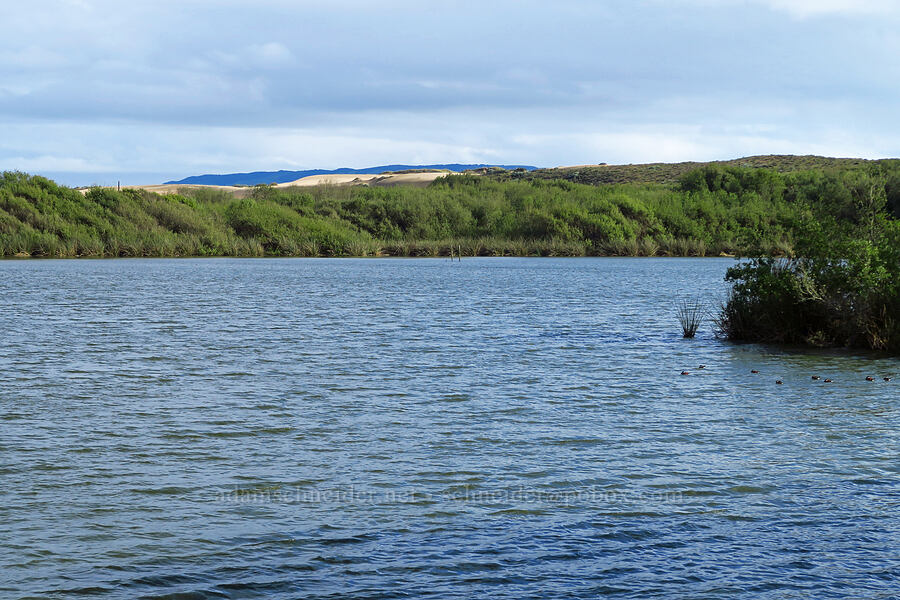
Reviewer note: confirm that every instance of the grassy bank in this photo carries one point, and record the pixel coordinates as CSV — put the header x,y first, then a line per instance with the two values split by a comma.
x,y
708,212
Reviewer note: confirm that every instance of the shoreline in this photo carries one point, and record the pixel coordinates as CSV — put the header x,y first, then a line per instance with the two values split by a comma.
x,y
370,257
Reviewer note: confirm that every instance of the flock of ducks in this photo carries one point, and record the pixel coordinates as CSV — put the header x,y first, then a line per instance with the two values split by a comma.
x,y
780,382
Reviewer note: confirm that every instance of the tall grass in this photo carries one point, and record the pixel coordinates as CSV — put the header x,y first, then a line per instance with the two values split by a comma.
x,y
709,213
691,313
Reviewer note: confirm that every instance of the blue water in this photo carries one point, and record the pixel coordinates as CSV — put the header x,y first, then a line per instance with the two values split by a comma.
x,y
491,428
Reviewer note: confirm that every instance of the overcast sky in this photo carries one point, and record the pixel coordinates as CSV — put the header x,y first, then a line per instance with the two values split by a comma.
x,y
92,91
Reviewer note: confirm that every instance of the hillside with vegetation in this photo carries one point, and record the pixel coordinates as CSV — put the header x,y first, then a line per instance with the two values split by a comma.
x,y
710,211
670,173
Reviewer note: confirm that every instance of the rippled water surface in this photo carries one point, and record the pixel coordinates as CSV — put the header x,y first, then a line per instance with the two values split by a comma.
x,y
503,428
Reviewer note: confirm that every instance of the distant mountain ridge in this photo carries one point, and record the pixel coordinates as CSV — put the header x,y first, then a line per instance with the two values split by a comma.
x,y
258,177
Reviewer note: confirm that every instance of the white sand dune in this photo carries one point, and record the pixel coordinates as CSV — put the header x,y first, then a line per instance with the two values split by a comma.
x,y
418,179
415,179
339,179
409,179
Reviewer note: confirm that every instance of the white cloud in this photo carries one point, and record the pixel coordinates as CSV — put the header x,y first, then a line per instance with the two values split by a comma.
x,y
35,164
813,8
32,57
269,55
134,149
157,88
139,153
635,145
804,9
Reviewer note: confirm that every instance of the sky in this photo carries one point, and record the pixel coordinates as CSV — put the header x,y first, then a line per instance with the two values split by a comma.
x,y
99,91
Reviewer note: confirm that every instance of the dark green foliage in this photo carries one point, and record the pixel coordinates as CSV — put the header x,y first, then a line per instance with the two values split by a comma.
x,y
670,173
843,290
710,211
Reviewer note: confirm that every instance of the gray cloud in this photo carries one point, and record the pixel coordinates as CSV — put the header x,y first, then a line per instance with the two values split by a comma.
x,y
509,81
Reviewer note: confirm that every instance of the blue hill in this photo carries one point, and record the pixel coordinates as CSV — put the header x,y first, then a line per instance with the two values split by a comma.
x,y
258,177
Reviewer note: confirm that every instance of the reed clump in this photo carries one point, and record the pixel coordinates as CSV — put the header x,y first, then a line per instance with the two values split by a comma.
x,y
690,312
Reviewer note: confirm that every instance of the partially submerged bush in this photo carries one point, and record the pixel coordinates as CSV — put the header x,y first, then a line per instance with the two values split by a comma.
x,y
844,291
691,313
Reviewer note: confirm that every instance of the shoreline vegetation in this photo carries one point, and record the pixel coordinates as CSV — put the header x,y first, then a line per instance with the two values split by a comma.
x,y
712,210
472,214
823,238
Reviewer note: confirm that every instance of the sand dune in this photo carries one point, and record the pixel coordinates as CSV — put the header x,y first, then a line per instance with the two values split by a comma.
x,y
173,188
417,179
340,179
412,179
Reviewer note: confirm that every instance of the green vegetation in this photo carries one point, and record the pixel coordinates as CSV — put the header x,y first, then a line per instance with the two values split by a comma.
x,y
690,315
733,211
672,172
709,211
843,289
826,241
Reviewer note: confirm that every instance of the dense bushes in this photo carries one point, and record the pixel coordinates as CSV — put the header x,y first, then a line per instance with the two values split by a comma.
x,y
708,212
843,290
671,173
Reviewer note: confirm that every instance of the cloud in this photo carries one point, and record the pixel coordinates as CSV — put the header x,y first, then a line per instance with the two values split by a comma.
x,y
268,55
159,87
32,57
86,153
804,9
69,164
814,8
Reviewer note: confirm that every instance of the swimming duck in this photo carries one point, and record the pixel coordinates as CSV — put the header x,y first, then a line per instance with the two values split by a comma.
x,y
816,377
827,381
870,379
887,378
778,382
754,371
685,372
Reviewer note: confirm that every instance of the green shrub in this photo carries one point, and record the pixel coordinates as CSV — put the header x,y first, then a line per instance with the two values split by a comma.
x,y
749,212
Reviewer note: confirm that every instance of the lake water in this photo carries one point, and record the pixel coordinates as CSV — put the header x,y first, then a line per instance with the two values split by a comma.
x,y
503,428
